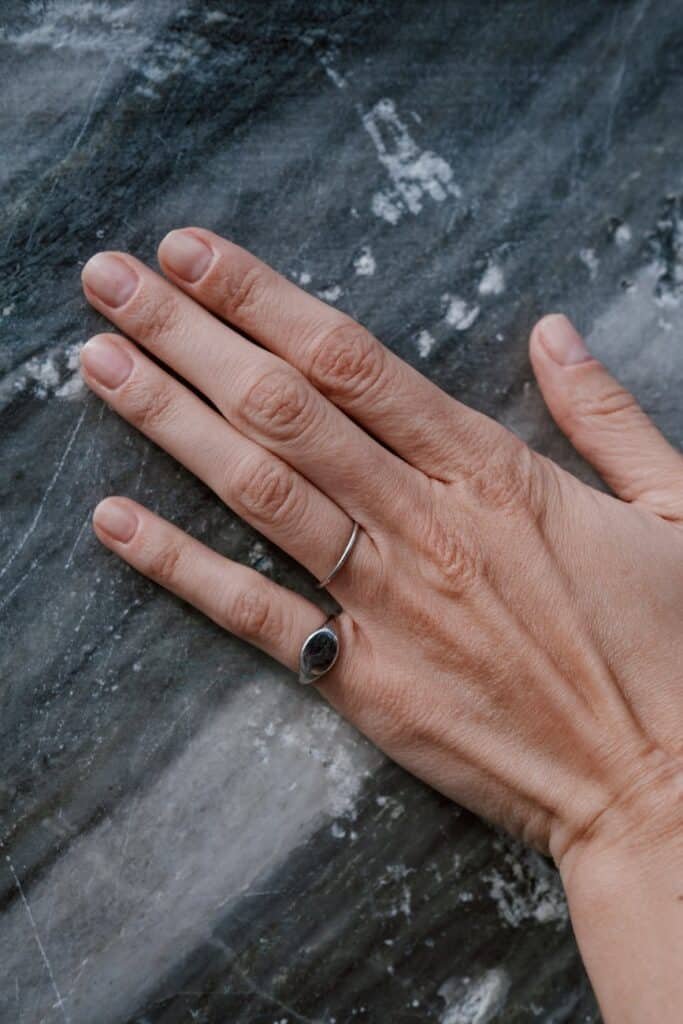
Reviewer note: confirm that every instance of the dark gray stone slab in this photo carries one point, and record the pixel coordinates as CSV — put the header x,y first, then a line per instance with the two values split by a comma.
x,y
186,834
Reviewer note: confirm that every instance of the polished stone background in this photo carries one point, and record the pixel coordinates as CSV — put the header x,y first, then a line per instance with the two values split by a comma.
x,y
185,835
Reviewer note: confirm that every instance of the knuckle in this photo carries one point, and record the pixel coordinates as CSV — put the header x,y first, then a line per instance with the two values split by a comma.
x,y
250,614
268,491
279,404
604,404
159,315
148,408
246,292
346,360
451,549
163,563
506,480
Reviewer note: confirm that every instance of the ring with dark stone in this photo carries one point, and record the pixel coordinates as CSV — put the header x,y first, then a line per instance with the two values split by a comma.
x,y
319,652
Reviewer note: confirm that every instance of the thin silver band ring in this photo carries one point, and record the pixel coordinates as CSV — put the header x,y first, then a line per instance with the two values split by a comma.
x,y
343,557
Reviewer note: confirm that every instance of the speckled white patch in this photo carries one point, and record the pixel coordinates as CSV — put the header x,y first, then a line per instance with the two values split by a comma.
x,y
384,207
475,1000
45,376
44,373
424,342
396,875
364,263
623,235
330,294
458,313
493,280
258,557
527,888
415,173
335,76
590,260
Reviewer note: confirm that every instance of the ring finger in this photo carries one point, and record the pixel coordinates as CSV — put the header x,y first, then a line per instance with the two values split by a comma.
x,y
258,485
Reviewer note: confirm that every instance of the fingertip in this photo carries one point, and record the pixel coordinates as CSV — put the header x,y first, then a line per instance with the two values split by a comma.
x,y
105,360
555,336
186,252
115,519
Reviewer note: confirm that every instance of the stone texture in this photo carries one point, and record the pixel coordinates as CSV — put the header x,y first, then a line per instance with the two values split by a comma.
x,y
187,834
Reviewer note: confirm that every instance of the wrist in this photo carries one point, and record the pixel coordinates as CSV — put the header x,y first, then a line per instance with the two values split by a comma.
x,y
643,820
623,876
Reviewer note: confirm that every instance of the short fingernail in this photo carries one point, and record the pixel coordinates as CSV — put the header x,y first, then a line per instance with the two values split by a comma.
x,y
186,255
106,361
110,278
118,520
562,341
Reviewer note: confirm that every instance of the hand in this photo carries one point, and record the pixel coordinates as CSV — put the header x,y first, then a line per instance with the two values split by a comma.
x,y
508,634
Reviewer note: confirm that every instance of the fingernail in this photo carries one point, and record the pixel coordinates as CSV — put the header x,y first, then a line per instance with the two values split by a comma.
x,y
118,520
562,342
186,255
106,361
110,278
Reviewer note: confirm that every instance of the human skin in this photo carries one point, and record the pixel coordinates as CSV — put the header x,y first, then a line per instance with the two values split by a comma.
x,y
508,634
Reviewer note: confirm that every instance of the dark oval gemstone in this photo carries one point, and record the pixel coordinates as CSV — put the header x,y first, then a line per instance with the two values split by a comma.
x,y
319,652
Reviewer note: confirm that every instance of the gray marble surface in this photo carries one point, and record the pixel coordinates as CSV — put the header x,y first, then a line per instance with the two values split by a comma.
x,y
185,836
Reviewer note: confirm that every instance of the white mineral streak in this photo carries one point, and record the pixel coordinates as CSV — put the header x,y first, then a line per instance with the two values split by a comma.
x,y
458,313
415,173
631,337
170,859
124,32
474,1000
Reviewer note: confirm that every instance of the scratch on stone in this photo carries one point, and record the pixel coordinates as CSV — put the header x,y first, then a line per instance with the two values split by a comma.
x,y
91,107
69,560
19,584
39,943
269,997
48,491
619,77
143,463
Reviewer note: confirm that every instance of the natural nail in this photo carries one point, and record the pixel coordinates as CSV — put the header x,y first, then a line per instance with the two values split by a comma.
x,y
118,520
562,341
186,255
106,361
110,278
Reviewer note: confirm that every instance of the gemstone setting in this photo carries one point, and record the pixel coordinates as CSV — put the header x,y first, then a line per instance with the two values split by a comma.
x,y
319,652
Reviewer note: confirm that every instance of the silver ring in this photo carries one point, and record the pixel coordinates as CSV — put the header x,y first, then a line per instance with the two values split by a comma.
x,y
343,557
319,651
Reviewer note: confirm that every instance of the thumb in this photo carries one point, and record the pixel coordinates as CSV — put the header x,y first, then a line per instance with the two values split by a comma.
x,y
603,420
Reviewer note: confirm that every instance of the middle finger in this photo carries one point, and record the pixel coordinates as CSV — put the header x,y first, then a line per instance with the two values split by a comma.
x,y
259,393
